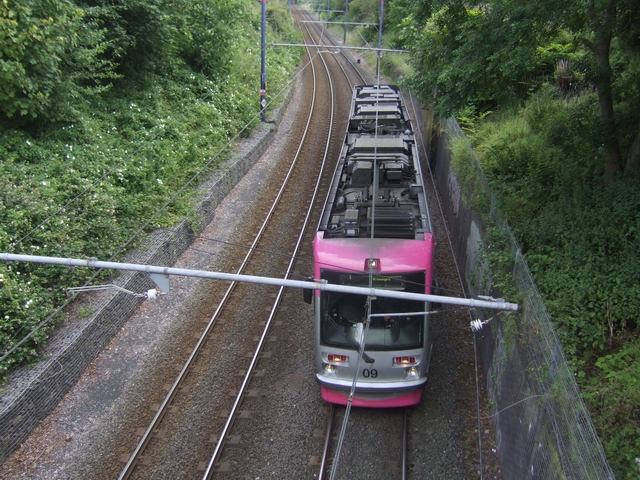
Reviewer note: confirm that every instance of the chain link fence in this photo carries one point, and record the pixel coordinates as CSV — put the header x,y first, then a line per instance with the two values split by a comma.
x,y
543,429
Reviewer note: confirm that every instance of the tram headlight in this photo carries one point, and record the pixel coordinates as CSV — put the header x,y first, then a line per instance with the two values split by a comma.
x,y
412,373
329,370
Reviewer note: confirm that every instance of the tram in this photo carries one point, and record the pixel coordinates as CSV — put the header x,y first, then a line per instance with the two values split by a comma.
x,y
375,232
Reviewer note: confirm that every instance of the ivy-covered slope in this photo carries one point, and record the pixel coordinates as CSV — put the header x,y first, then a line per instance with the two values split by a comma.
x,y
106,110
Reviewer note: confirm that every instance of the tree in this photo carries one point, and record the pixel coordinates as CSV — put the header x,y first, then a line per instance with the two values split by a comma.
x,y
596,31
50,54
607,28
483,56
211,27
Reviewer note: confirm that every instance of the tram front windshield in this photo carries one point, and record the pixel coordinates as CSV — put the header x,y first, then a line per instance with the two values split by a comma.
x,y
342,314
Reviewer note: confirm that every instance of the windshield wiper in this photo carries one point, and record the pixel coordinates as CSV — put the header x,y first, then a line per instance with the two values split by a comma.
x,y
355,346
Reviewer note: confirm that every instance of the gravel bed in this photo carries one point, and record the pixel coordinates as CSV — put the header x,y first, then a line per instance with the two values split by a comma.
x,y
276,440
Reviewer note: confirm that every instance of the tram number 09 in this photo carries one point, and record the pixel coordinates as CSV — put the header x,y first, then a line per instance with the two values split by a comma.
x,y
373,373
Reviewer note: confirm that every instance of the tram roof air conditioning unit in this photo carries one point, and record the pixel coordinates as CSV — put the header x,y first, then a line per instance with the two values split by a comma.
x,y
351,222
393,170
362,173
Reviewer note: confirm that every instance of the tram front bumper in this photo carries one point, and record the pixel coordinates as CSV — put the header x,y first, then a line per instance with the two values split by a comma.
x,y
373,395
371,387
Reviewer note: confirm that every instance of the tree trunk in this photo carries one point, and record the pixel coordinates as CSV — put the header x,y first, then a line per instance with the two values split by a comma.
x,y
603,26
633,155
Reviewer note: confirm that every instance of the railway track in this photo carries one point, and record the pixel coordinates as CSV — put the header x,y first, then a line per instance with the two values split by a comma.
x,y
294,381
211,467
146,460
394,460
247,421
320,35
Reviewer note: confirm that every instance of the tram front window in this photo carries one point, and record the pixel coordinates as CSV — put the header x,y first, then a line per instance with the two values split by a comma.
x,y
343,315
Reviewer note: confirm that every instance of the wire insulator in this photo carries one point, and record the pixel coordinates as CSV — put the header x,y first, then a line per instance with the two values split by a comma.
x,y
476,325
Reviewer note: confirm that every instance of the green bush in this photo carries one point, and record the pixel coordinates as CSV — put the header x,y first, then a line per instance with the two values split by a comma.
x,y
581,239
51,57
613,393
83,187
578,234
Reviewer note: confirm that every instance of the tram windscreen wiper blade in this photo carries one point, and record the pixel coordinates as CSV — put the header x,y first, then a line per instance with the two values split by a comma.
x,y
367,358
355,346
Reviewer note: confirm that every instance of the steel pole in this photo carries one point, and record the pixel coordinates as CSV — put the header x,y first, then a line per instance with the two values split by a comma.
x,y
498,304
346,19
379,40
263,64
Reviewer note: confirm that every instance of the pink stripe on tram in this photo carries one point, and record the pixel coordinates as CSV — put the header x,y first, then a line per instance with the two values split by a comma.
x,y
407,400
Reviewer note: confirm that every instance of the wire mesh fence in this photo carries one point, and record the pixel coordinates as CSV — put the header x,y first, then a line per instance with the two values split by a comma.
x,y
543,428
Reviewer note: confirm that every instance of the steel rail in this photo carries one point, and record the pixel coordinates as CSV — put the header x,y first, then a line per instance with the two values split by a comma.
x,y
327,440
324,460
129,467
254,360
342,54
322,36
403,466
